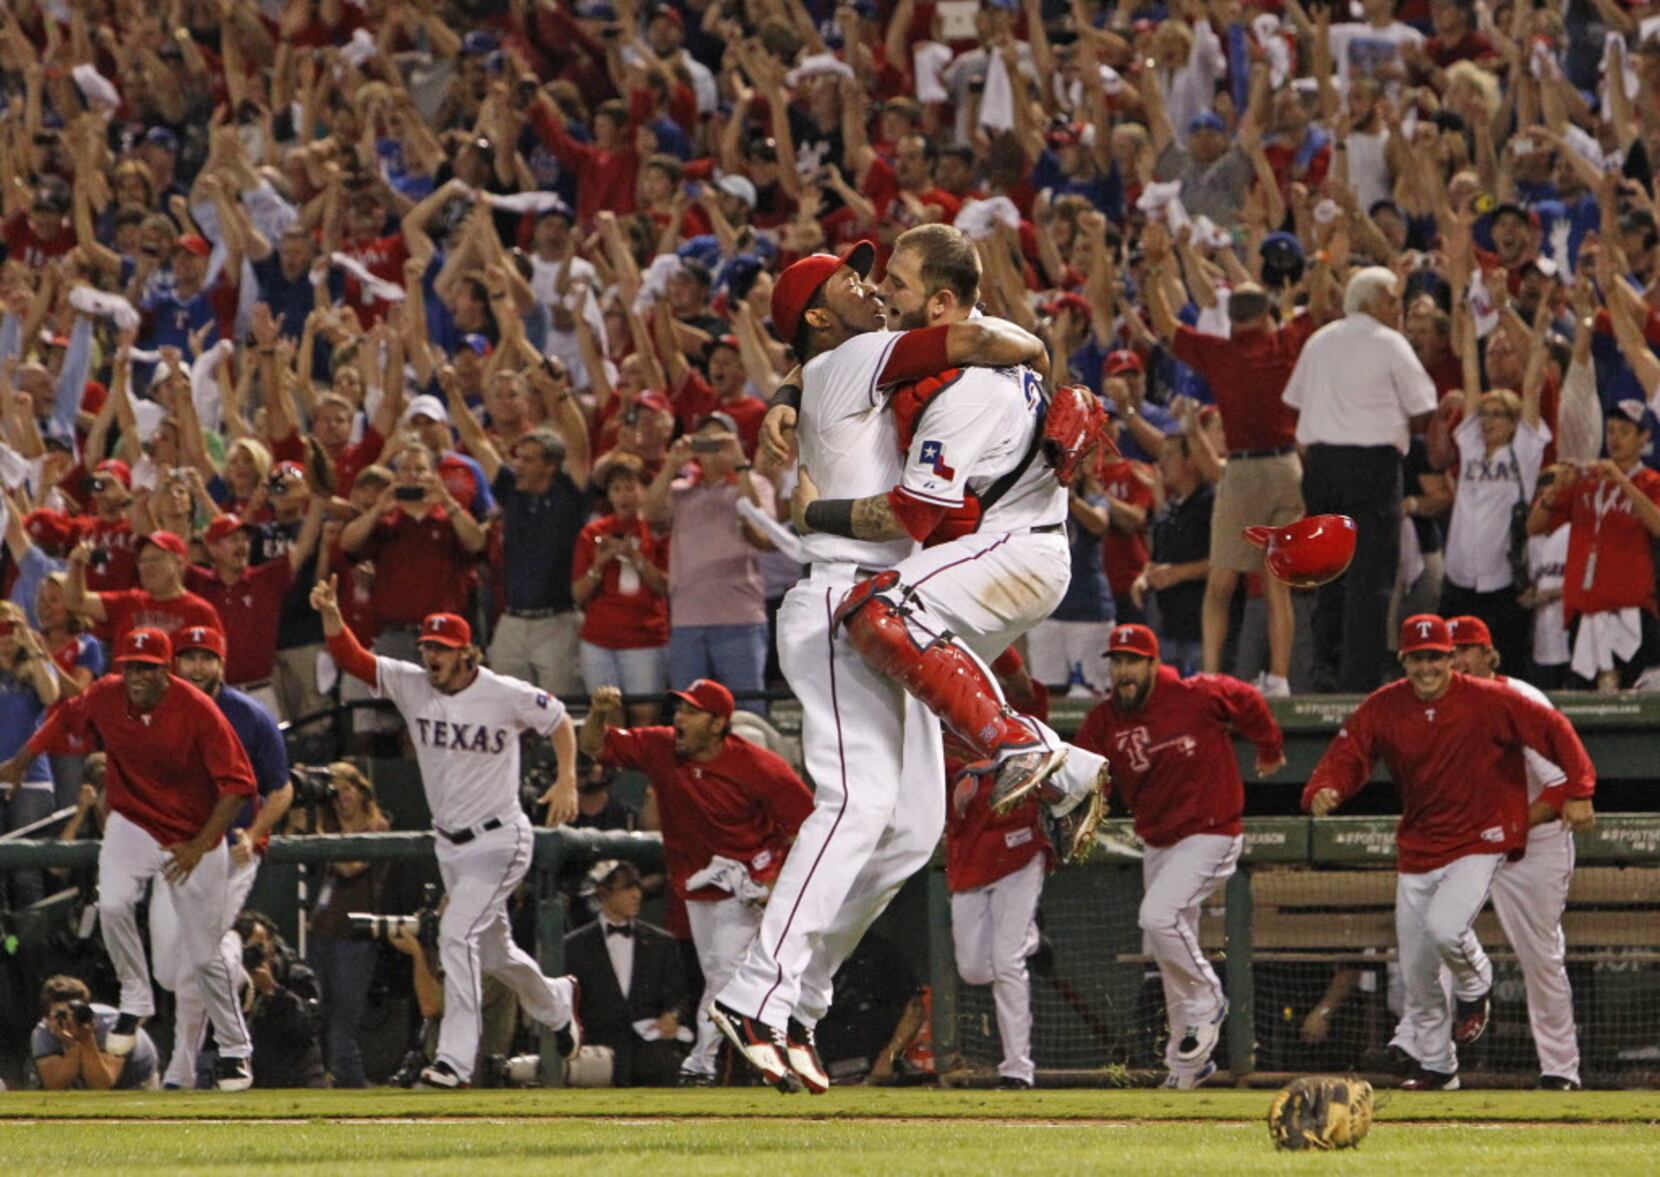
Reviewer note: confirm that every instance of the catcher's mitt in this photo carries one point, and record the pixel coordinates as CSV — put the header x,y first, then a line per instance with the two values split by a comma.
x,y
1321,1112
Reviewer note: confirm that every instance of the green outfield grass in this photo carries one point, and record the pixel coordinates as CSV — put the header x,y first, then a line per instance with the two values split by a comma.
x,y
848,1133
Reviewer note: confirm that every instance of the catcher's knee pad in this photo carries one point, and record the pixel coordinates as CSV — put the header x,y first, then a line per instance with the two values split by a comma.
x,y
942,675
859,594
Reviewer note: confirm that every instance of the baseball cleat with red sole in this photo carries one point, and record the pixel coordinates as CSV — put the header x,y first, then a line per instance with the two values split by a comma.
x,y
1470,1019
802,1053
1024,775
761,1046
568,1038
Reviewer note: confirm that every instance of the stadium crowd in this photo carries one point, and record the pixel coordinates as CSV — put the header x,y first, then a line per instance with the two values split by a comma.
x,y
468,304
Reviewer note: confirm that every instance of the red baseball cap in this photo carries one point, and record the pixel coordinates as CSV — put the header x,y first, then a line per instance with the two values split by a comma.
x,y
1425,631
655,401
798,283
222,526
1469,631
707,695
1308,552
194,243
167,542
144,644
49,528
1134,639
1067,301
199,637
116,469
1123,360
445,629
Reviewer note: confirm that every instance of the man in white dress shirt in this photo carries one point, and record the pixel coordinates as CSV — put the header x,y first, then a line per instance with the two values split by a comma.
x,y
1360,390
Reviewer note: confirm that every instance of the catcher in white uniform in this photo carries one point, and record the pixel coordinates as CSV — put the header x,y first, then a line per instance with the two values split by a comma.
x,y
1530,894
874,754
465,722
987,462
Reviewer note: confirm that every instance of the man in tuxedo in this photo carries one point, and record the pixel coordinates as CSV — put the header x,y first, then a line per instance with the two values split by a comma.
x,y
632,981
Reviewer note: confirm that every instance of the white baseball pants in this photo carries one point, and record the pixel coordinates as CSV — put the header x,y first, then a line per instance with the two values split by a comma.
x,y
722,931
190,1017
875,758
995,929
988,590
474,938
129,859
1434,914
1529,896
1176,880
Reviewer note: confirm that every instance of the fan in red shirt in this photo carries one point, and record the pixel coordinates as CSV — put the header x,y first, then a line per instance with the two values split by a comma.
x,y
177,776
608,166
1612,508
1170,741
1128,485
995,866
1454,747
729,811
108,528
160,602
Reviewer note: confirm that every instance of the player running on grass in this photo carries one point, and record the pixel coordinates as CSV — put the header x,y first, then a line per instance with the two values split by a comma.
x,y
465,723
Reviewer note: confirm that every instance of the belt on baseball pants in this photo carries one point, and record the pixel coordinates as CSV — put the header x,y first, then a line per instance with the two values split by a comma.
x,y
1278,451
535,614
462,837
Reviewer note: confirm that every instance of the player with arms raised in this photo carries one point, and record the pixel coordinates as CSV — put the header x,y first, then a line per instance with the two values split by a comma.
x,y
465,722
1455,748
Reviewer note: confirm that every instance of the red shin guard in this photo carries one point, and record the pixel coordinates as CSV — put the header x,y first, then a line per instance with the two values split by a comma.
x,y
943,676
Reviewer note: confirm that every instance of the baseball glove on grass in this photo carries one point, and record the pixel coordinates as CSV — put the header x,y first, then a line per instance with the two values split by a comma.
x,y
1321,1112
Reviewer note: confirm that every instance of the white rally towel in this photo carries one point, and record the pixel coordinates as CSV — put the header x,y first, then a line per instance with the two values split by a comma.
x,y
979,218
817,65
654,283
522,202
1482,306
14,472
359,49
928,59
1164,201
730,876
1603,637
108,306
204,385
1265,31
98,90
373,287
997,100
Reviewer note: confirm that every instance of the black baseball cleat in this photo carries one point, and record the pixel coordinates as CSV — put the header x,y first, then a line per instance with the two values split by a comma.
x,y
1558,1083
1470,1019
1427,1080
801,1052
568,1038
123,1036
1387,1060
440,1076
695,1079
762,1046
1013,1083
232,1074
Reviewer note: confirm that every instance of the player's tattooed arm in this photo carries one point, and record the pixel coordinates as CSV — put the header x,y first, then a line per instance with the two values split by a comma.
x,y
870,518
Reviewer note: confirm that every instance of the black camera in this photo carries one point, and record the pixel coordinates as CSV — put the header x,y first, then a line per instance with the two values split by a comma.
x,y
409,494
99,558
253,957
79,1012
423,923
312,785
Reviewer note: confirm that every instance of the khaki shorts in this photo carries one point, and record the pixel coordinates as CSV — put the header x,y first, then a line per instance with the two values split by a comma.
x,y
1253,491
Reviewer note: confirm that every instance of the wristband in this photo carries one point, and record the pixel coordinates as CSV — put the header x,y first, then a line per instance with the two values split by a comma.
x,y
831,517
787,394
745,468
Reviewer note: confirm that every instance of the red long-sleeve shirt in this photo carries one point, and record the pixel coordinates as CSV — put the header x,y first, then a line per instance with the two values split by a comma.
x,y
607,176
167,767
746,804
1458,764
1173,760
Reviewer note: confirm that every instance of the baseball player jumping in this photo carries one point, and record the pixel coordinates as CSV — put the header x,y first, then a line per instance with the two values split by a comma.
x,y
176,778
1454,746
465,722
1530,893
874,754
1171,745
997,563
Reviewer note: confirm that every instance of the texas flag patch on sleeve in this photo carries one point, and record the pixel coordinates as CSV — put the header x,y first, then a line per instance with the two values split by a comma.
x,y
932,455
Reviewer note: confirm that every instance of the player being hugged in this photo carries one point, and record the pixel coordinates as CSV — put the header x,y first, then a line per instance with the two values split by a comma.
x,y
1455,748
1170,740
465,722
177,777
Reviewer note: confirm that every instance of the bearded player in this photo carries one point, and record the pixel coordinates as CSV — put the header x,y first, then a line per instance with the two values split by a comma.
x,y
975,486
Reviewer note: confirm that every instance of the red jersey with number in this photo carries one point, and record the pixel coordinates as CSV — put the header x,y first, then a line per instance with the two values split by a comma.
x,y
1458,763
168,767
746,804
1610,552
131,608
1124,553
1173,760
251,610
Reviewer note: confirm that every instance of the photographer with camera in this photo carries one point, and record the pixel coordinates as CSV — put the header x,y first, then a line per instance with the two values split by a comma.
x,y
109,528
283,1006
68,1043
339,799
465,722
199,659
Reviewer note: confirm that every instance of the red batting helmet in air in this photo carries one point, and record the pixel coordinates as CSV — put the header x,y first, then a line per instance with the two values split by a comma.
x,y
1308,552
